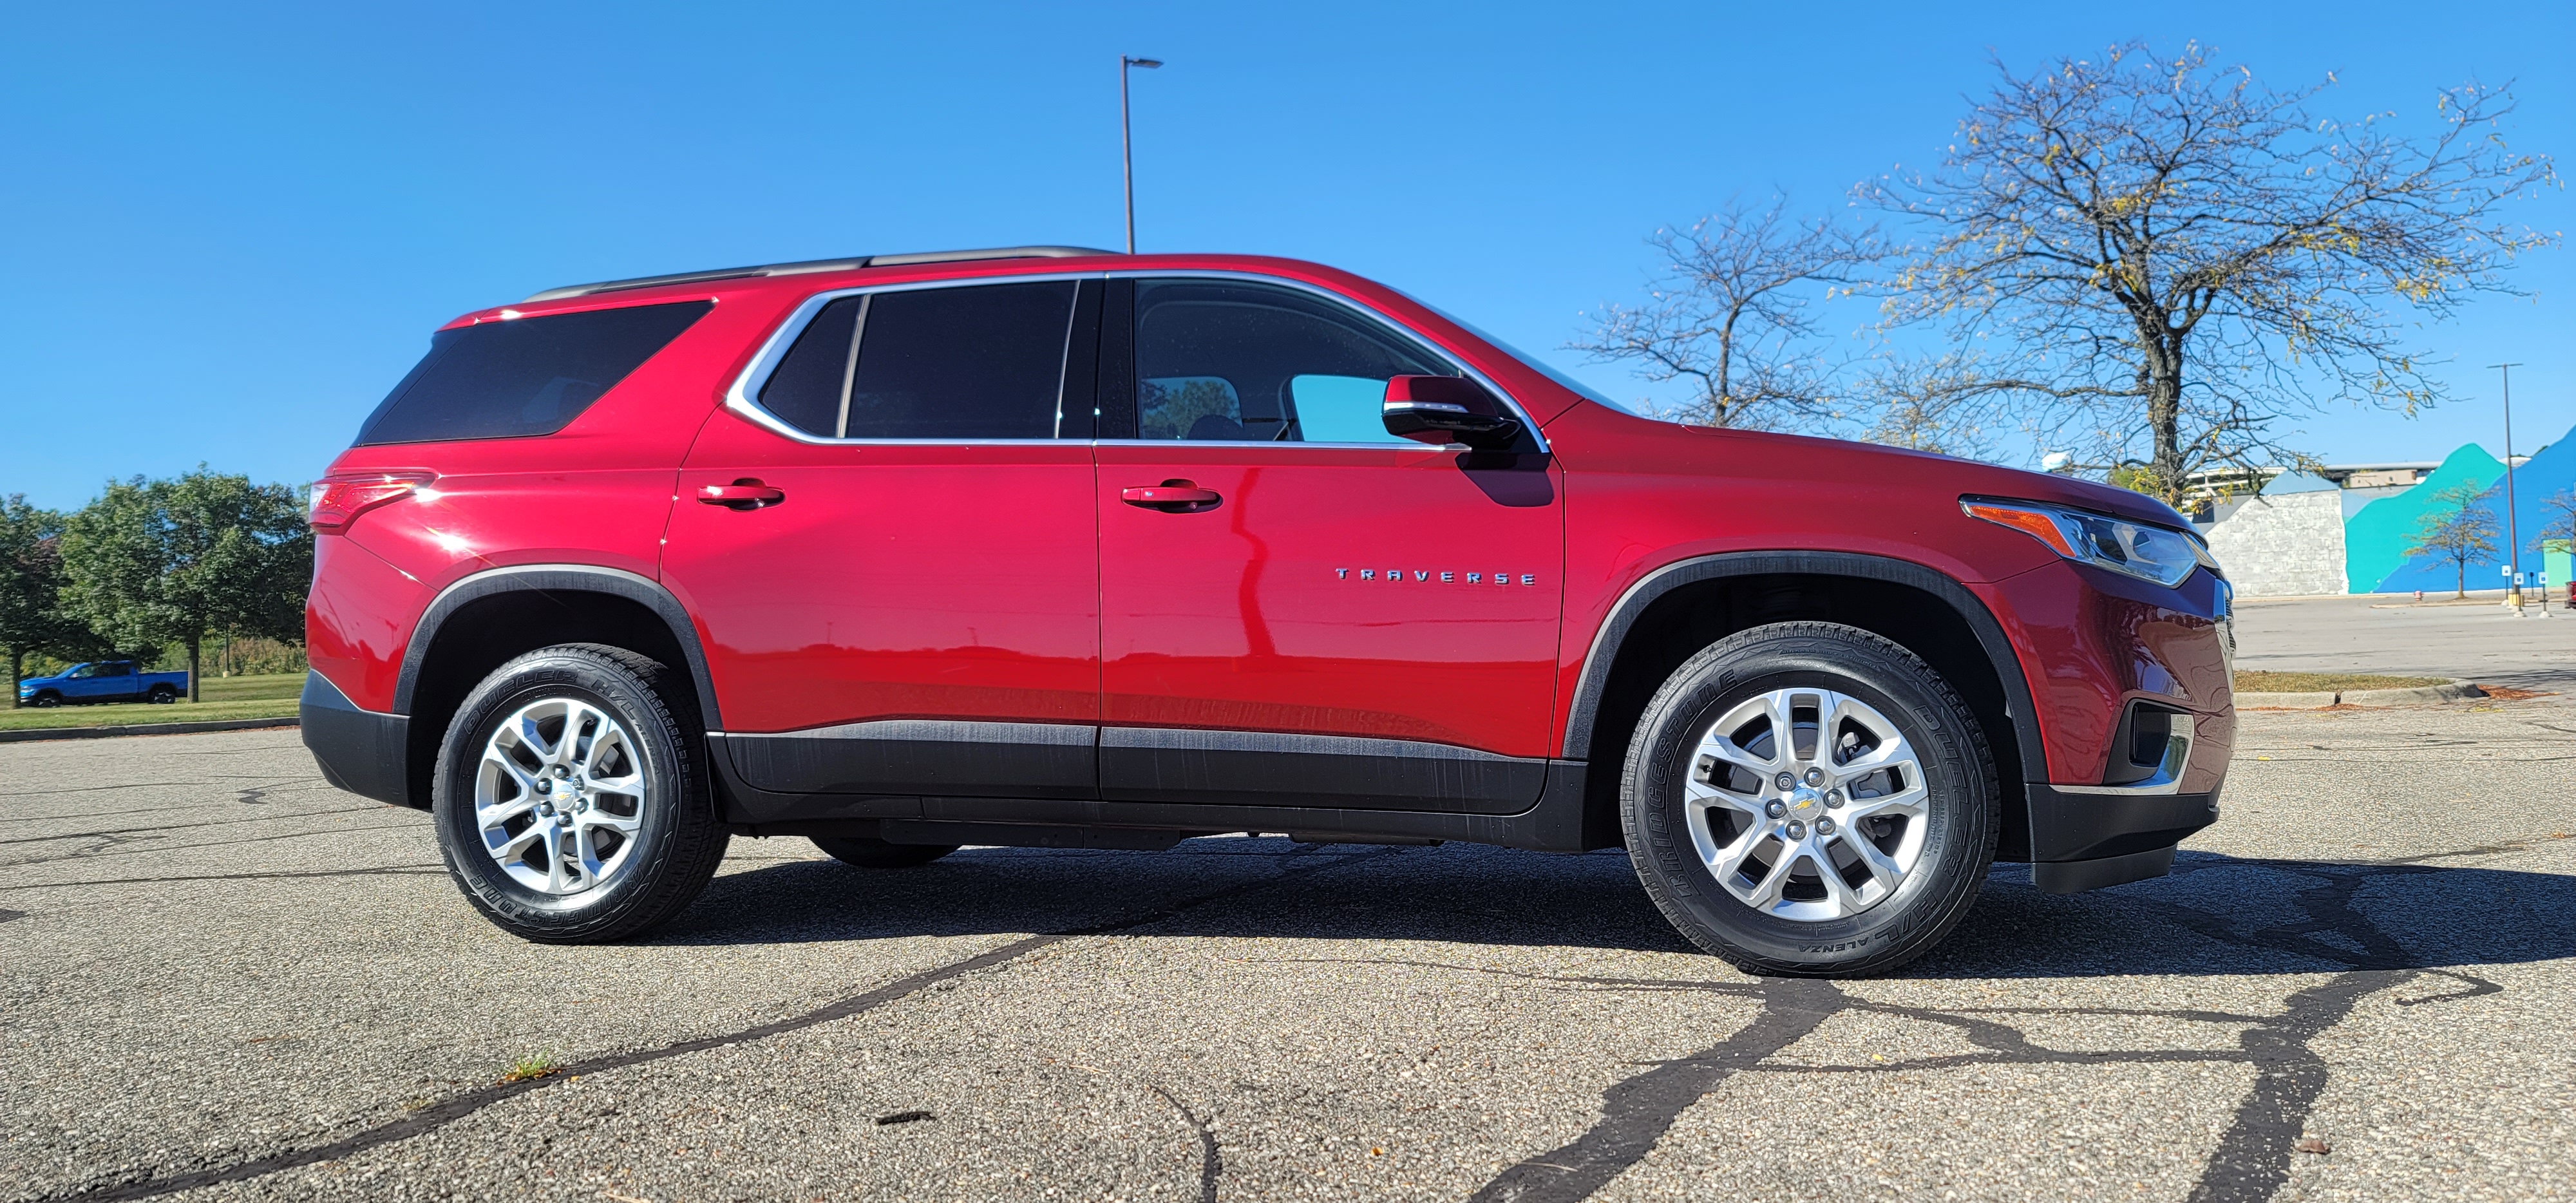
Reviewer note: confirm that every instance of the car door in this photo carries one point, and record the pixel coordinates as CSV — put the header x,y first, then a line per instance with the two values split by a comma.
x,y
888,543
1299,608
109,682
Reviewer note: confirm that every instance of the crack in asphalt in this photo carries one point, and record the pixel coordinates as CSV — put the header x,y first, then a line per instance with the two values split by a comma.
x,y
1637,1112
447,1111
1211,1161
75,835
2252,1159
95,853
381,871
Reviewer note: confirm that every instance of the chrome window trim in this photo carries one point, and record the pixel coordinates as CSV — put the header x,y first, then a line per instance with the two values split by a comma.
x,y
1365,311
742,397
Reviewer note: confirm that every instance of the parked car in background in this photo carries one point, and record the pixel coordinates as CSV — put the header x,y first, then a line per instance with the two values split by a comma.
x,y
1065,548
102,681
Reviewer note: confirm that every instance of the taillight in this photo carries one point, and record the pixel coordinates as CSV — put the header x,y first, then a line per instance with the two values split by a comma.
x,y
338,500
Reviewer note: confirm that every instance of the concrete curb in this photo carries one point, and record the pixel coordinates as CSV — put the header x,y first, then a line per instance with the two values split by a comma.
x,y
111,731
2359,697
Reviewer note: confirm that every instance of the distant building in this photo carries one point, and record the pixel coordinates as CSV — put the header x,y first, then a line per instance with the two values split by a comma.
x,y
2345,528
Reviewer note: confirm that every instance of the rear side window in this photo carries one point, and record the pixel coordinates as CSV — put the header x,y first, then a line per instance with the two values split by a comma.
x,y
981,362
530,376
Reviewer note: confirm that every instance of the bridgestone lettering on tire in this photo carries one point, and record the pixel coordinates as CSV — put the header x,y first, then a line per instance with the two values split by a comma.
x,y
1810,799
571,796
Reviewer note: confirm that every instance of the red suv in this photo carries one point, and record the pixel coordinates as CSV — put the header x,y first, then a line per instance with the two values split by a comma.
x,y
1063,548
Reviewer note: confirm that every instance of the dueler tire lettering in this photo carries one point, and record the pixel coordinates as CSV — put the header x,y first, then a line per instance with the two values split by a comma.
x,y
679,842
1960,811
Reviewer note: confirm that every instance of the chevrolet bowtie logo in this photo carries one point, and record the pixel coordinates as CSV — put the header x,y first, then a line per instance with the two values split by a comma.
x,y
1434,576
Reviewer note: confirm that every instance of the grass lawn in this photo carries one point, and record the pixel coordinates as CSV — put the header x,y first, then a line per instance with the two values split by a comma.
x,y
2270,682
268,696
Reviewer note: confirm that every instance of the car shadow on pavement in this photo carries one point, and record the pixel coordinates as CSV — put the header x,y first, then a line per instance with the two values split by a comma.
x,y
2221,914
2216,914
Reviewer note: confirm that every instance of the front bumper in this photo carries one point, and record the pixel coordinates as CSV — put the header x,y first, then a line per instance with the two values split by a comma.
x,y
2087,837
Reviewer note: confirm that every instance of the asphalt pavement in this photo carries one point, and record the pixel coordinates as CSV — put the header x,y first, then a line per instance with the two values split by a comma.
x,y
226,980
2390,633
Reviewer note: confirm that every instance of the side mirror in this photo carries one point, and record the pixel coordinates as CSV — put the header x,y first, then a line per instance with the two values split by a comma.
x,y
1448,409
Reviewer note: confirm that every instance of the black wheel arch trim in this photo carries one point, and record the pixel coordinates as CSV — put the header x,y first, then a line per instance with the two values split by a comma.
x,y
559,578
1633,604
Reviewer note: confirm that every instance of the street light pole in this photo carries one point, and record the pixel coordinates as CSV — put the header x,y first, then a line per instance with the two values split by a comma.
x,y
1126,153
2512,523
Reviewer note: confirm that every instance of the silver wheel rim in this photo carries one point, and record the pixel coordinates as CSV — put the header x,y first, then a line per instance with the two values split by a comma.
x,y
1807,804
559,796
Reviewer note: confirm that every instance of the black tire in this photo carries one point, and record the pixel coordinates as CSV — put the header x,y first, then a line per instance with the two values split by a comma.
x,y
679,843
1961,818
161,695
869,852
46,700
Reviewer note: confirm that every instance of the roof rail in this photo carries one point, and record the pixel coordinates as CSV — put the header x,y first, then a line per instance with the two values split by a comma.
x,y
821,265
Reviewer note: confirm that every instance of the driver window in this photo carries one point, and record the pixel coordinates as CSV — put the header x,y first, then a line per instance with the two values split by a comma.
x,y
1226,362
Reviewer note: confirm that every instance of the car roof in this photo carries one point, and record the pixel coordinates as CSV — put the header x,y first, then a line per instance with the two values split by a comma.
x,y
810,266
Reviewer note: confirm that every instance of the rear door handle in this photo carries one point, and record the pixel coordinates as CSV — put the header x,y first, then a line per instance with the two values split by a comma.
x,y
741,495
1172,497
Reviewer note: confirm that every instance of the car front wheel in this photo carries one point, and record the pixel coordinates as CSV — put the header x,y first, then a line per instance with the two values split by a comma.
x,y
571,798
1810,799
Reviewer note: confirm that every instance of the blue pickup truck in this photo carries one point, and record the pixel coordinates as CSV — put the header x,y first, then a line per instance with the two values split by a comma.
x,y
102,681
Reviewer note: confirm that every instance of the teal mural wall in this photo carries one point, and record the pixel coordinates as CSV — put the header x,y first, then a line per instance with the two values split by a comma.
x,y
2549,472
2374,538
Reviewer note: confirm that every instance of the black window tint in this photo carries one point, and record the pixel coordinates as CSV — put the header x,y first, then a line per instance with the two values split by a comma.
x,y
805,392
1228,362
982,362
525,377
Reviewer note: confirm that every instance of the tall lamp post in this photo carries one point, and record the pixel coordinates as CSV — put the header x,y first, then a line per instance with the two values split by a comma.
x,y
1126,152
2512,525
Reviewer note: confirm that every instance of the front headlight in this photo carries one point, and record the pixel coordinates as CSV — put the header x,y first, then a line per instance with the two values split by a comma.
x,y
2151,553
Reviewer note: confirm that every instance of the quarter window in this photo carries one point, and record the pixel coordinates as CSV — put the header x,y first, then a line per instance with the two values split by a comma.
x,y
1232,362
529,376
979,362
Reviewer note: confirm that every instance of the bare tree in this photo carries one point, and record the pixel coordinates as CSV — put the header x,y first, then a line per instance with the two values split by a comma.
x,y
2169,257
1731,314
1928,404
2454,528
2559,527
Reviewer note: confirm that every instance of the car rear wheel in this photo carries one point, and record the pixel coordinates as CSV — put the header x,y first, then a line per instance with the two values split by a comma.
x,y
161,695
571,796
1810,799
868,852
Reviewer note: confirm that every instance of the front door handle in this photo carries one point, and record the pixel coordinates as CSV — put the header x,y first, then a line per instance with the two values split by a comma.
x,y
746,494
1172,497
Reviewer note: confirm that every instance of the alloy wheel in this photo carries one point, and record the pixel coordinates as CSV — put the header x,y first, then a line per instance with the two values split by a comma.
x,y
1807,804
559,796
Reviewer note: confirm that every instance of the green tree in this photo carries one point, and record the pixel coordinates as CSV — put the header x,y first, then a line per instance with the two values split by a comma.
x,y
31,583
178,561
2455,528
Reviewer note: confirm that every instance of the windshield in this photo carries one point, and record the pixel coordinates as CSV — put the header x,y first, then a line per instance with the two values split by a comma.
x,y
1532,362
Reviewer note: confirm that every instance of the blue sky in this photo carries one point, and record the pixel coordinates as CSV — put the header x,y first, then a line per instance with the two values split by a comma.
x,y
229,230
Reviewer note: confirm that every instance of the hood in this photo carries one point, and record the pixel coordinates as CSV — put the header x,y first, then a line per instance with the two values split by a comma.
x,y
1872,461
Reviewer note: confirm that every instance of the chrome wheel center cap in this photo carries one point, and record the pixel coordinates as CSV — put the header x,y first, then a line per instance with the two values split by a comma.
x,y
1805,802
